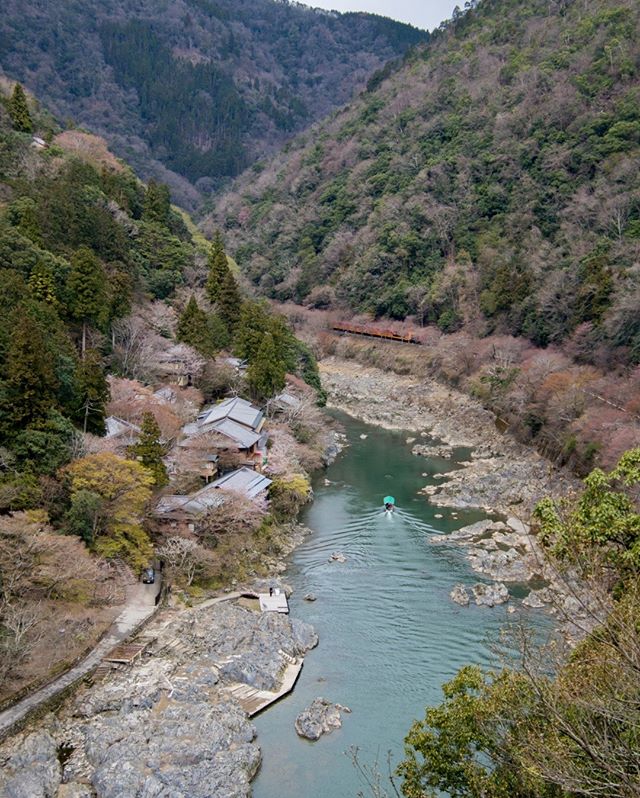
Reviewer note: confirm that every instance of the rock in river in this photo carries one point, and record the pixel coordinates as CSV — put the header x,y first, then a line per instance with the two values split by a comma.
x,y
490,595
459,595
320,718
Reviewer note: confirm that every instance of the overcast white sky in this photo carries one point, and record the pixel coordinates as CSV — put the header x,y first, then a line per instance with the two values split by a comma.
x,y
426,14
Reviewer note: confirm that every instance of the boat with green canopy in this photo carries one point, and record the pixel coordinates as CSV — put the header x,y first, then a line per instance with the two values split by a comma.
x,y
389,504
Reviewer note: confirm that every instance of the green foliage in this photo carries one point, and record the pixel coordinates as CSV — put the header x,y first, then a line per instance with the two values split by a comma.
x,y
229,302
92,393
287,495
19,110
196,329
87,288
603,519
266,374
461,747
84,515
218,268
149,450
157,204
46,445
31,384
161,258
112,520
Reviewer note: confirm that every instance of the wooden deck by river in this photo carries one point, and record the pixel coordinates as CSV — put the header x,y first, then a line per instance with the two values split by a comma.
x,y
253,700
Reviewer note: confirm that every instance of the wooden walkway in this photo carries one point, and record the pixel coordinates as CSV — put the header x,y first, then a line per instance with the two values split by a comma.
x,y
253,700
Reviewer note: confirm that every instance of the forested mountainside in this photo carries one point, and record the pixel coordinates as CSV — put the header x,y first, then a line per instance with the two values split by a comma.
x,y
490,183
192,91
110,299
80,239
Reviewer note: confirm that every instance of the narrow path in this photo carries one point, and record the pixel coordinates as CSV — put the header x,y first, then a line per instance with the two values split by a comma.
x,y
140,606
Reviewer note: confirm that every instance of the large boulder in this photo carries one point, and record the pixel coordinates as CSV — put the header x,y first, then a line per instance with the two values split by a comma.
x,y
320,718
490,595
459,595
507,566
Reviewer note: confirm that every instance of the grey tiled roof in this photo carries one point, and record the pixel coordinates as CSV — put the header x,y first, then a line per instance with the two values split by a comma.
x,y
236,409
245,481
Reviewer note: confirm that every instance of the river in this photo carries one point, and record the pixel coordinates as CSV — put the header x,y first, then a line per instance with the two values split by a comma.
x,y
389,633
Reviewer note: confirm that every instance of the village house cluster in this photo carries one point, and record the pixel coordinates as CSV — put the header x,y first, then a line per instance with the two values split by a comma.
x,y
224,448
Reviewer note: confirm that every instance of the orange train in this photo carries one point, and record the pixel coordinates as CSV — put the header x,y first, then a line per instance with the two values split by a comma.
x,y
376,332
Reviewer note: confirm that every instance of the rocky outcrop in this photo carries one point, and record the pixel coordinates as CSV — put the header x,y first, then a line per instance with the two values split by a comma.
x,y
490,595
320,718
432,450
501,473
460,595
183,746
30,767
167,725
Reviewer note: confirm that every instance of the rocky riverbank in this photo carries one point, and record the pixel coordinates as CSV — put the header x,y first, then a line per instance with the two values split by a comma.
x,y
499,475
167,725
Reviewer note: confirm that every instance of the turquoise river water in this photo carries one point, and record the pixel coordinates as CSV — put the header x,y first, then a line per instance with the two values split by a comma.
x,y
389,633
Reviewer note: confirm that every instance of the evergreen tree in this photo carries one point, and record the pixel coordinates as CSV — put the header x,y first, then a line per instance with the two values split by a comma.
x,y
218,268
253,323
31,383
218,333
87,287
19,110
266,375
92,391
149,451
42,285
194,329
229,302
157,203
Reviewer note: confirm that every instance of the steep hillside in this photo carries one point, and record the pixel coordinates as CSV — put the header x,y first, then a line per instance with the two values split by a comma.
x,y
490,183
191,91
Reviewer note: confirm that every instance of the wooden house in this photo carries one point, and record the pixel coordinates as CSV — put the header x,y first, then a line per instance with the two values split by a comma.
x,y
179,515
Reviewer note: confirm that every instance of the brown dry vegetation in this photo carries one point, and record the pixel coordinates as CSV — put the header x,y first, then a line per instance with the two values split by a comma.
x,y
57,600
574,413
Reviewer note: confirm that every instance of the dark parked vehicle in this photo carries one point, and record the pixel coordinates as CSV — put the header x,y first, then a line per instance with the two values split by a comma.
x,y
149,576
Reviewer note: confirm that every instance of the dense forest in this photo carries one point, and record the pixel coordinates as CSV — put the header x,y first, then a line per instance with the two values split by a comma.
x,y
490,183
192,91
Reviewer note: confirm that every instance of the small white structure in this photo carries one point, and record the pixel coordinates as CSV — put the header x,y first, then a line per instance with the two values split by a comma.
x,y
276,602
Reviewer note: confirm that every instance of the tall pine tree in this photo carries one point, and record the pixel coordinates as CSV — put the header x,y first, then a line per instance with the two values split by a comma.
x,y
194,329
266,375
229,303
218,268
87,287
92,392
157,203
30,381
149,450
19,110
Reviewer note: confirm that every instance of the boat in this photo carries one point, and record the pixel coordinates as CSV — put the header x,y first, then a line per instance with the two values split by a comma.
x,y
389,504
